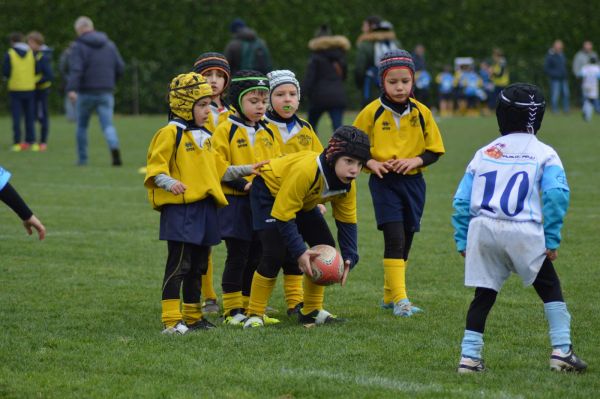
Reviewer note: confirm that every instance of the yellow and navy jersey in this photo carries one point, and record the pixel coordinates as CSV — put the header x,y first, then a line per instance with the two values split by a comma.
x,y
297,135
43,59
240,144
189,157
20,69
298,183
500,76
218,115
399,136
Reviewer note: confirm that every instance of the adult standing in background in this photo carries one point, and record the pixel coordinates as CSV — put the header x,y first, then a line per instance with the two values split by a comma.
x,y
94,67
246,50
555,66
324,78
377,38
583,57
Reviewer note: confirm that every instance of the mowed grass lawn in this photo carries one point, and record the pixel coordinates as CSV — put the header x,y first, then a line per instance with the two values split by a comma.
x,y
80,312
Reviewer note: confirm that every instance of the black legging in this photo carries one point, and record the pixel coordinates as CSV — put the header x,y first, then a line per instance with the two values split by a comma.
x,y
186,263
314,231
241,256
397,240
546,284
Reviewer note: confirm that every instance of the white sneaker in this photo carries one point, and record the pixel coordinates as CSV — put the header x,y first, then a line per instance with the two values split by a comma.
x,y
469,365
179,329
253,322
236,320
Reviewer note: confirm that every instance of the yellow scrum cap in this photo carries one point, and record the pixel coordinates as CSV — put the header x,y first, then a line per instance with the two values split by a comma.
x,y
185,90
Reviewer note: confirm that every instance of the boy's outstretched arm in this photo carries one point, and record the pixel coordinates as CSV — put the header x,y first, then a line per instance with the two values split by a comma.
x,y
461,216
555,202
11,197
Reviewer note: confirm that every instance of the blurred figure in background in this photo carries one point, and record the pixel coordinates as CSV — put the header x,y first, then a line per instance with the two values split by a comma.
x,y
44,77
325,74
246,50
555,66
63,68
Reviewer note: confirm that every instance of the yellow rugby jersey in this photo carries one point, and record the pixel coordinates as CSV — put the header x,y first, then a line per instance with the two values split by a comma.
x,y
22,71
240,144
200,168
395,136
301,137
297,183
217,116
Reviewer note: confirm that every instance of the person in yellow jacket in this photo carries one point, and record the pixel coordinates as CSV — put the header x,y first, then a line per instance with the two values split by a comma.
x,y
293,134
284,212
20,69
242,139
183,181
43,81
404,140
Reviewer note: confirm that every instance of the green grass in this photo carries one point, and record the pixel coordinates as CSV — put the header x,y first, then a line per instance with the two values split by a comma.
x,y
80,312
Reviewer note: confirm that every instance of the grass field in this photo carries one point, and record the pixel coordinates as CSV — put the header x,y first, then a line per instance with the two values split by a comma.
x,y
80,312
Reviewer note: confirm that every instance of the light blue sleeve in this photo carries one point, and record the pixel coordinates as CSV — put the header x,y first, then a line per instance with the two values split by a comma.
x,y
555,202
4,177
461,216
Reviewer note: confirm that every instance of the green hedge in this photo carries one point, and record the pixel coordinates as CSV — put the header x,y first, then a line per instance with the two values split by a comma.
x,y
159,39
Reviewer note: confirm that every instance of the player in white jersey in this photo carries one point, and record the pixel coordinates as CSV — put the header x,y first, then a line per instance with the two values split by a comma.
x,y
590,73
509,210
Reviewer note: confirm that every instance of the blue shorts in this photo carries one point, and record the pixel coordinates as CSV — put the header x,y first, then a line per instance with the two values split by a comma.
x,y
235,220
194,223
398,198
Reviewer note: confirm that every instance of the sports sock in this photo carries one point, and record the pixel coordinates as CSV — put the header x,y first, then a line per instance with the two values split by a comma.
x,y
261,290
171,313
208,291
292,289
191,312
313,296
387,293
232,300
472,344
394,274
559,323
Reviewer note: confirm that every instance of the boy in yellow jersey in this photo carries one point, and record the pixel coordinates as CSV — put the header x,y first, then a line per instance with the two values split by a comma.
x,y
404,140
19,68
183,180
43,81
243,138
285,214
293,134
215,68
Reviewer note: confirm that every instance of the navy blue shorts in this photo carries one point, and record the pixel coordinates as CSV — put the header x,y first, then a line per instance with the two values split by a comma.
x,y
398,198
235,220
194,223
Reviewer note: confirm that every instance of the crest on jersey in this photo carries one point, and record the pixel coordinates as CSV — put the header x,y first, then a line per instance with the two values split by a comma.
x,y
495,151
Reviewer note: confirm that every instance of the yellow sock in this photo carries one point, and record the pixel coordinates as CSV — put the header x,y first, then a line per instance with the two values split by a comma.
x,y
292,288
171,313
313,296
232,300
261,290
395,275
208,291
245,301
192,312
387,293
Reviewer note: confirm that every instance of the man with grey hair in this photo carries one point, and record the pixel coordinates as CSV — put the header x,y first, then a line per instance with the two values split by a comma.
x,y
94,67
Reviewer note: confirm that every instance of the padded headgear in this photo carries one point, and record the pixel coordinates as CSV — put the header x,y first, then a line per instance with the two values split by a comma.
x,y
520,108
185,90
207,61
349,141
281,77
243,82
395,59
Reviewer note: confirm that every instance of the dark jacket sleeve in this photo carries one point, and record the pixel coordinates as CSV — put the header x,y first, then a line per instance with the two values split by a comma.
x,y
45,68
75,68
310,77
6,66
292,238
348,241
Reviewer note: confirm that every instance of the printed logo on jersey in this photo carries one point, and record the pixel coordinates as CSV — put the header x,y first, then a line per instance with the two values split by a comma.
x,y
414,120
495,151
241,142
189,146
266,142
385,125
304,139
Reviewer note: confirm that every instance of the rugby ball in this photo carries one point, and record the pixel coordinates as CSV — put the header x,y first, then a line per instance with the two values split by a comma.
x,y
328,267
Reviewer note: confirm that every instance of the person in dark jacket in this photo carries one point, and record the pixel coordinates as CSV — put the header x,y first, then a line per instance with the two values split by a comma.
x,y
246,50
324,78
94,67
555,66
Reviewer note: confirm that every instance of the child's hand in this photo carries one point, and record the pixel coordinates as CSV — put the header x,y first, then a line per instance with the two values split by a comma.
x,y
379,168
36,224
463,253
305,259
405,165
256,167
322,208
247,187
345,275
551,254
178,188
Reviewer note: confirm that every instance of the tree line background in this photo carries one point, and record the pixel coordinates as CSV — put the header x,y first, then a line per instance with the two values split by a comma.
x,y
159,39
